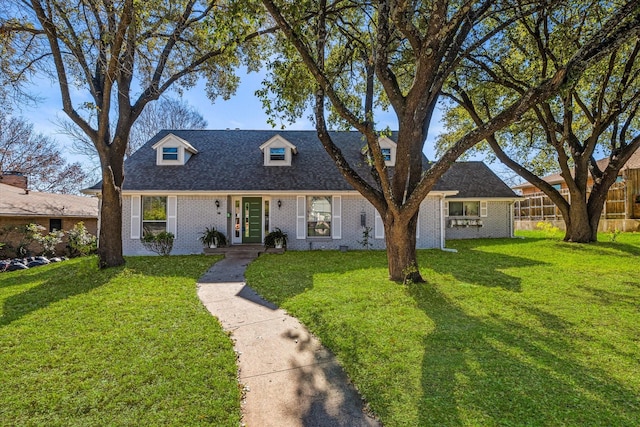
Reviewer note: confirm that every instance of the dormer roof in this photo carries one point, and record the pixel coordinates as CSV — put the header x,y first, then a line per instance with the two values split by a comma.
x,y
277,151
172,150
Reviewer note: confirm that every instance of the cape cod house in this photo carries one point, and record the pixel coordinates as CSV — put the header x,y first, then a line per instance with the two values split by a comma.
x,y
246,183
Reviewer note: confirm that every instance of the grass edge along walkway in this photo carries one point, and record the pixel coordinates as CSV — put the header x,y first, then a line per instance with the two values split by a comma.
x,y
505,332
123,346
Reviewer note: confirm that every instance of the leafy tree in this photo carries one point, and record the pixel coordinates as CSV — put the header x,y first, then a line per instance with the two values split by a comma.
x,y
122,56
597,114
359,55
38,157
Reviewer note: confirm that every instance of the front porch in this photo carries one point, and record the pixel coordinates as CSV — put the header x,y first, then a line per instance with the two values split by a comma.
x,y
243,250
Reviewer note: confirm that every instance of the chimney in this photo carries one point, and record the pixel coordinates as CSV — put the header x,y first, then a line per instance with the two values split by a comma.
x,y
13,178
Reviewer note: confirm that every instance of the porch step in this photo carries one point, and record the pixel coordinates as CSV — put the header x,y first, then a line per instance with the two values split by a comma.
x,y
241,251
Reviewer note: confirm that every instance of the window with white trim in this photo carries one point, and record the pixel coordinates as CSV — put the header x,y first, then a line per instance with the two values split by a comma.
x,y
464,209
169,153
154,214
319,216
386,154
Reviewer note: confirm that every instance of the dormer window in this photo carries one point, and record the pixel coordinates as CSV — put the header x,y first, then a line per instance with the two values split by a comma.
x,y
169,153
173,151
277,154
278,151
388,148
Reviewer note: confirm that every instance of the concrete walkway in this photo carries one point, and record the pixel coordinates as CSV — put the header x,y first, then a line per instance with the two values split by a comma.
x,y
289,378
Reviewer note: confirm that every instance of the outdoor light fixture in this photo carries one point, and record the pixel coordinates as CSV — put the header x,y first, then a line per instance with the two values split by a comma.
x,y
279,204
218,204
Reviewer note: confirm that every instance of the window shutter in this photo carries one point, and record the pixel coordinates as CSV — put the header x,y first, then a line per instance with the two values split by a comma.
x,y
172,214
379,226
483,208
301,223
135,217
446,208
336,217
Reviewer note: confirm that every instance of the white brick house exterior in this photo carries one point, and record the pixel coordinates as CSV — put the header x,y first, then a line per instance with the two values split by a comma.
x,y
247,183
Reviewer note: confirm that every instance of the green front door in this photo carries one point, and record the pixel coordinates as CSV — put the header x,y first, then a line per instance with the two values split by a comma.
x,y
252,220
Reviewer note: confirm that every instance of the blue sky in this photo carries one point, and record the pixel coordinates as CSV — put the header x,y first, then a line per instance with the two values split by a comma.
x,y
242,111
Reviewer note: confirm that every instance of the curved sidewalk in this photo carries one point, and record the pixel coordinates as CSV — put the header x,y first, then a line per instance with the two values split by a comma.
x,y
289,378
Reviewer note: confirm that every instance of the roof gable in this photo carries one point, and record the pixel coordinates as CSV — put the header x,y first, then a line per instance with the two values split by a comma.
x,y
278,151
173,150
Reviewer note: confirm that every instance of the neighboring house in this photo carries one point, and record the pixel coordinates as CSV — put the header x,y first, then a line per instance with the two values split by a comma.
x,y
20,206
246,183
621,209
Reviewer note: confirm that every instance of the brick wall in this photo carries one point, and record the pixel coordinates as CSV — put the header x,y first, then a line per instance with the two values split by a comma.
x,y
13,179
10,235
495,224
194,213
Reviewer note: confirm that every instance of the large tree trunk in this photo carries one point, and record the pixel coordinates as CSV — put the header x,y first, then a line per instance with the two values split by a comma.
x,y
578,225
110,240
584,216
400,238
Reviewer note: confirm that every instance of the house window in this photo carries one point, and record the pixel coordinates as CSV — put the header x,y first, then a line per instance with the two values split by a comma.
x,y
557,186
55,224
386,154
169,153
154,214
276,153
319,216
464,208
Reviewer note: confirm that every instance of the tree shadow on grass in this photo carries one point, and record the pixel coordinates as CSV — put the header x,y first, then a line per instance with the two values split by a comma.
x,y
57,283
618,246
476,267
498,371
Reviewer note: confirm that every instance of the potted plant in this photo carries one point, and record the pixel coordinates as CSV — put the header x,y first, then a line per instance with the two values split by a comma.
x,y
276,239
213,238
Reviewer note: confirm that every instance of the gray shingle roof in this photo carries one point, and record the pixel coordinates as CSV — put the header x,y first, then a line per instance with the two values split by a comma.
x,y
474,179
230,160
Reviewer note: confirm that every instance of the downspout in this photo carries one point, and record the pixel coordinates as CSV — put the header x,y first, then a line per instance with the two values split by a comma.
x,y
511,220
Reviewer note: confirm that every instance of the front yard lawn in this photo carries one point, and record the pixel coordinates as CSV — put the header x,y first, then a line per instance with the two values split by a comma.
x,y
120,347
508,332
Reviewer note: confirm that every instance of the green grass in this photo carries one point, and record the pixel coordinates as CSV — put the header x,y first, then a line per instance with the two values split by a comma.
x,y
510,332
119,347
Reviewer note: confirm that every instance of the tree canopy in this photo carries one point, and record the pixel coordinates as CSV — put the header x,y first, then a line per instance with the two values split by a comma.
x,y
166,113
401,54
111,59
596,116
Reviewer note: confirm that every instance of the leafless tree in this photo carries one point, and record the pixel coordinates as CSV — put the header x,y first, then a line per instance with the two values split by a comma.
x,y
38,157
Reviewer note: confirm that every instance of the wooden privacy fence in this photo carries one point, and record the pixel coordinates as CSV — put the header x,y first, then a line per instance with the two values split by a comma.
x,y
538,206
